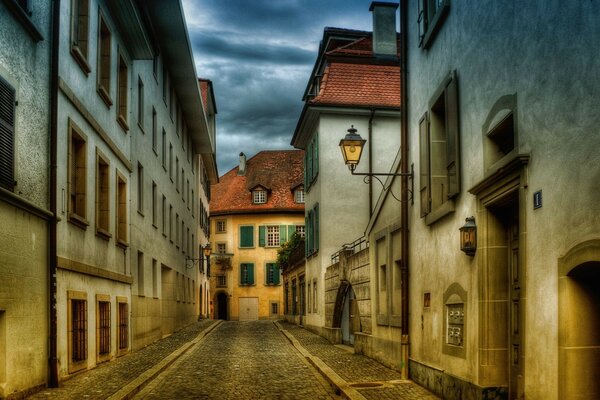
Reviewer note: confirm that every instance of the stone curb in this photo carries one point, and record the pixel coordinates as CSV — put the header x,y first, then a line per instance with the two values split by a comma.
x,y
133,387
329,374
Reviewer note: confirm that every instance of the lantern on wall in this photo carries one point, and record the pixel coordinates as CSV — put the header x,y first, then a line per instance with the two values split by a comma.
x,y
468,236
352,146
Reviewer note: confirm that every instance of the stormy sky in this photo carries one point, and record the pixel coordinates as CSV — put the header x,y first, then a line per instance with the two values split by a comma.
x,y
259,55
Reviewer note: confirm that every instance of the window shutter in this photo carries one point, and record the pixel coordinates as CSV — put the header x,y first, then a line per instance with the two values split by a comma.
x,y
290,231
283,237
261,235
310,234
250,274
424,165
452,138
307,234
316,227
309,171
276,274
7,134
246,236
316,155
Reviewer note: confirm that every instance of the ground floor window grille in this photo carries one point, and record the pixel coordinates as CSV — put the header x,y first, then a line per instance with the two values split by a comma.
x,y
79,330
274,308
123,326
221,280
103,327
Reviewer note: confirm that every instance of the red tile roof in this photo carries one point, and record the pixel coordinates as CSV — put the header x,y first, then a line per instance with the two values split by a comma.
x,y
352,84
278,170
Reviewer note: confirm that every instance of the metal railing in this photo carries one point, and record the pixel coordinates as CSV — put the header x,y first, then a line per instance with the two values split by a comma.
x,y
356,246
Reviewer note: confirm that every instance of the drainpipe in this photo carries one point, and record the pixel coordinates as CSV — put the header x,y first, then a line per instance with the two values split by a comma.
x,y
53,353
404,188
371,160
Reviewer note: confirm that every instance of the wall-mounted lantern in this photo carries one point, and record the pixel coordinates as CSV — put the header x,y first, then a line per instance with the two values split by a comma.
x,y
468,236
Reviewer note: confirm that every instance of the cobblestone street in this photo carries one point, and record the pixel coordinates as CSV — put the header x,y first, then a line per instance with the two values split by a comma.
x,y
239,360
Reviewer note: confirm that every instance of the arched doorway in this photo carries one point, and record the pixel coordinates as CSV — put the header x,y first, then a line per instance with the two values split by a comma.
x,y
346,315
579,324
222,306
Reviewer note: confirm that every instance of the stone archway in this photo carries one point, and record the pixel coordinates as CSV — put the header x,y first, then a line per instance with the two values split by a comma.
x,y
346,315
579,322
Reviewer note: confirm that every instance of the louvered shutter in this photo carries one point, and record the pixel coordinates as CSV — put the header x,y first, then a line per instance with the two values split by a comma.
x,y
261,236
246,236
276,274
291,229
424,165
283,237
452,138
250,273
7,134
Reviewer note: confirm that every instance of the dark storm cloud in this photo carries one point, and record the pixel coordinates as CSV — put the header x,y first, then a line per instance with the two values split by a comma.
x,y
259,55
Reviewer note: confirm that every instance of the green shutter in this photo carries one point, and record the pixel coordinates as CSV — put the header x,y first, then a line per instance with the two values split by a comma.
x,y
290,231
424,165
247,236
276,274
306,234
452,138
261,236
316,155
316,227
283,236
250,273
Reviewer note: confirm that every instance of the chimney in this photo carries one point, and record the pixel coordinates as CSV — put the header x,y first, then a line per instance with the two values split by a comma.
x,y
242,169
384,28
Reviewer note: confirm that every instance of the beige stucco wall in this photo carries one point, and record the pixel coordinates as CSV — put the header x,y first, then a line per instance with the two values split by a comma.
x,y
535,53
25,64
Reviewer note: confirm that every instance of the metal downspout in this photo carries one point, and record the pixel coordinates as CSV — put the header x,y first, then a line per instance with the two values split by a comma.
x,y
404,187
53,353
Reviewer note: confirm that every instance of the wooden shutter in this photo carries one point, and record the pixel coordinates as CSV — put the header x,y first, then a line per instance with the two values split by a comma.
x,y
424,188
276,274
283,236
291,229
262,236
452,138
316,227
246,236
307,234
250,267
7,134
316,155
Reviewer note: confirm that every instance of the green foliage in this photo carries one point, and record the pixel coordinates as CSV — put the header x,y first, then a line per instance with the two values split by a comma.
x,y
284,252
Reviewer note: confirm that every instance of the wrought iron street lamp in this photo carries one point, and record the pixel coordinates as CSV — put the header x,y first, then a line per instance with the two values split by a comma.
x,y
204,255
352,147
468,236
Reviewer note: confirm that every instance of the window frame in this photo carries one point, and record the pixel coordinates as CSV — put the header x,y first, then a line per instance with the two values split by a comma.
x,y
104,51
259,196
121,218
77,214
221,226
122,91
272,274
8,97
430,23
80,36
122,325
77,352
103,327
102,197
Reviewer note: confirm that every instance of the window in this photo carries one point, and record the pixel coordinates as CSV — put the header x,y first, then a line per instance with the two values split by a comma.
x,y
311,162
104,54
501,137
155,134
221,248
170,158
123,324
177,230
177,174
171,223
80,20
221,225
300,230
121,210
103,326
221,280
154,205
274,308
102,196
155,67
246,274
272,236
122,89
77,176
140,189
7,134
247,236
140,104
259,196
272,274
299,195
77,330
140,270
431,16
439,158
154,278
315,308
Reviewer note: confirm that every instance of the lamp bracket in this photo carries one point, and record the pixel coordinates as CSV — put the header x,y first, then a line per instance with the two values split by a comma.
x,y
410,176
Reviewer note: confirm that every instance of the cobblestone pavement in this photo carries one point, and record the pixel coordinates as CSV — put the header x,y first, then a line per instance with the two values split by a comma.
x,y
108,378
240,360
358,369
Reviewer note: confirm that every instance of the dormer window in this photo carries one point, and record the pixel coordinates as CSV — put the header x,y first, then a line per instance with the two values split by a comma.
x,y
299,195
259,196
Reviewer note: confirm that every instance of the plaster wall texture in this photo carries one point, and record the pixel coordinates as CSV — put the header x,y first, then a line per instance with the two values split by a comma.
x,y
24,64
534,50
257,255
